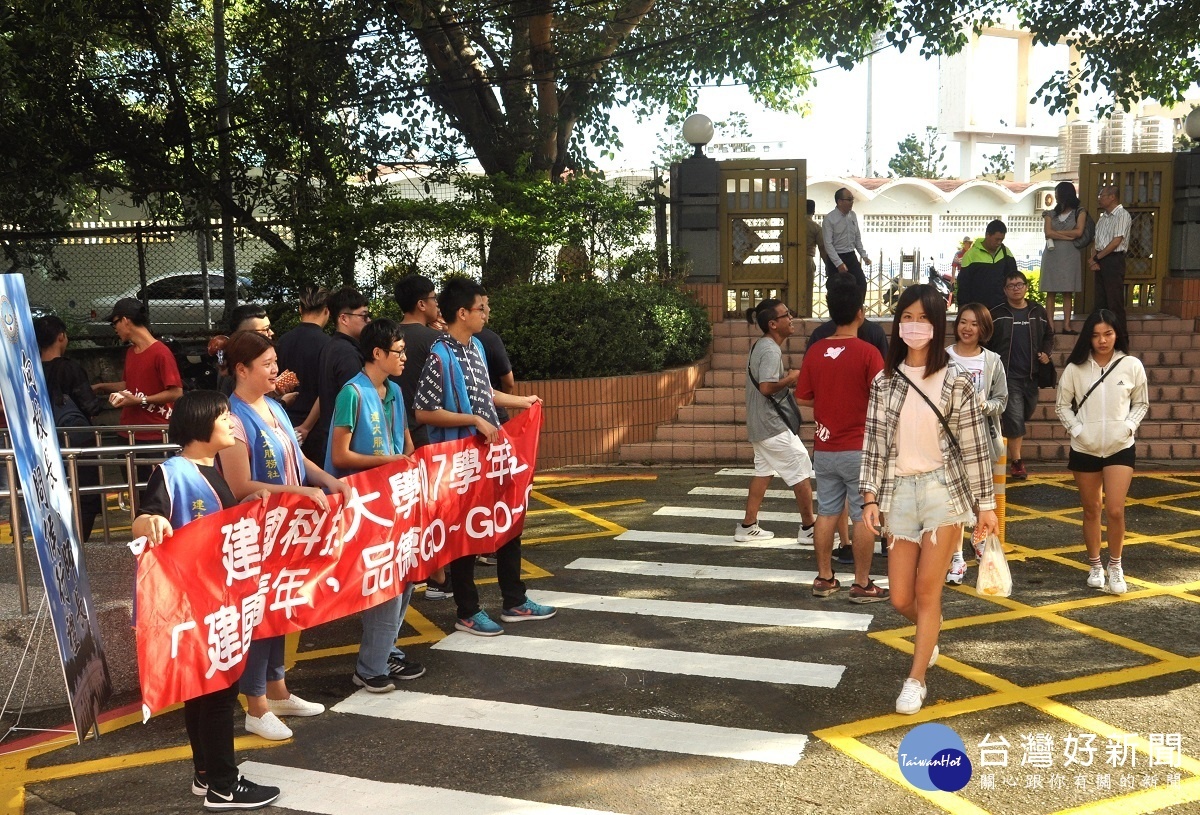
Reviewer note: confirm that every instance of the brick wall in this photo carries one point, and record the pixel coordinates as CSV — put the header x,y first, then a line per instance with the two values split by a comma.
x,y
1181,297
587,420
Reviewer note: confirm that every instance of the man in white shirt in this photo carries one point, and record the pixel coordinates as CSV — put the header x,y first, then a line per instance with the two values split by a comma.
x,y
1108,252
843,241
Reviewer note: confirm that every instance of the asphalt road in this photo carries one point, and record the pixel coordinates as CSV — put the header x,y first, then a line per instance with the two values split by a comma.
x,y
717,681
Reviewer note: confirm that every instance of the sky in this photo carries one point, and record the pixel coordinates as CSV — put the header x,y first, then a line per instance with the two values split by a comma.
x,y
832,136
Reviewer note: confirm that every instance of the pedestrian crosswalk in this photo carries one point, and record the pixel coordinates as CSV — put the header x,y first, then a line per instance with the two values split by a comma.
x,y
333,794
638,658
655,729
573,725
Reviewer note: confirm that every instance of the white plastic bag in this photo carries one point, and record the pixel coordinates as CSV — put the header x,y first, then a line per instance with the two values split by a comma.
x,y
994,578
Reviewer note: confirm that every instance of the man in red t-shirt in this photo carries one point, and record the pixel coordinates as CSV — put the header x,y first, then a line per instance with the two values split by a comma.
x,y
835,381
152,383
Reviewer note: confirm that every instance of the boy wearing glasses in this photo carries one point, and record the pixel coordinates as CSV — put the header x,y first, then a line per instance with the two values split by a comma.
x,y
368,430
1023,337
340,359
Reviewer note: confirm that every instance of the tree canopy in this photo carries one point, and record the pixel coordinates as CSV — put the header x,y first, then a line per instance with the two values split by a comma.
x,y
292,108
919,157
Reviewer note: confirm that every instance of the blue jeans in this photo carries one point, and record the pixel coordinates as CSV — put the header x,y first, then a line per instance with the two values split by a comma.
x,y
264,663
381,626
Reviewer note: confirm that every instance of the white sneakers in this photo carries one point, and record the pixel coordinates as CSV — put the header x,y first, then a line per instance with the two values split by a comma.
x,y
958,568
268,726
804,535
1116,580
294,706
753,532
933,657
911,697
1096,577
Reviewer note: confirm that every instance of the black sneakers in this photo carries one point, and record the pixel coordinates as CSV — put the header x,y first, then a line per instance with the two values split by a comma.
x,y
404,669
244,795
374,684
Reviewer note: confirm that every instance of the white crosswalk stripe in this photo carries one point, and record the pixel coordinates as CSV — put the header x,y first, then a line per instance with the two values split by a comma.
x,y
584,726
726,514
330,794
717,612
699,539
740,472
738,492
700,571
659,660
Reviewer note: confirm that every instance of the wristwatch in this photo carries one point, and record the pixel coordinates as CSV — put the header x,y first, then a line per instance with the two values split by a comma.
x,y
145,403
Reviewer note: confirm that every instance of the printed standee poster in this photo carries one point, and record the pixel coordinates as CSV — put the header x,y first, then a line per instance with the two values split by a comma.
x,y
48,506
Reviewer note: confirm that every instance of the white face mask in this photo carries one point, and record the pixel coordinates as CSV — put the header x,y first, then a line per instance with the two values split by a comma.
x,y
916,335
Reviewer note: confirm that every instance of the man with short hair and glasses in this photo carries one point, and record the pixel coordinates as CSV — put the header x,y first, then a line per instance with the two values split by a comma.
x,y
1024,338
340,359
843,240
772,422
1108,252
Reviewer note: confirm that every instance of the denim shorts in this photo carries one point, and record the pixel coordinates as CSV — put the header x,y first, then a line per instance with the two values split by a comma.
x,y
921,503
837,480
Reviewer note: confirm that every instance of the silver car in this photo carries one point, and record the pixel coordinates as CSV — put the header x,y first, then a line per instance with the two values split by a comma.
x,y
175,303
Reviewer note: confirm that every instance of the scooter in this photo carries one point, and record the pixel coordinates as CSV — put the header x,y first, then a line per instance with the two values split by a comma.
x,y
942,282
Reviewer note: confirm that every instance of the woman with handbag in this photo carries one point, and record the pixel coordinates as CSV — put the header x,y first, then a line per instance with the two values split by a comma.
x,y
926,469
972,328
1067,229
1102,398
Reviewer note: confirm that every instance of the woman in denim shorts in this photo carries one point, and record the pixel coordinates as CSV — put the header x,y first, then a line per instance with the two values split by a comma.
x,y
926,471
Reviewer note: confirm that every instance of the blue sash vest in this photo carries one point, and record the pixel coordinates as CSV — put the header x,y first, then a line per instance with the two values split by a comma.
x,y
372,434
189,492
266,450
454,389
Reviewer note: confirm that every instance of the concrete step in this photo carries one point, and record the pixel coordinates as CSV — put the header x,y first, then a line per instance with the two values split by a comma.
x,y
1160,396
1178,375
1160,412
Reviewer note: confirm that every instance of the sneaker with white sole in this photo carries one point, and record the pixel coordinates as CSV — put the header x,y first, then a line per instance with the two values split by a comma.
x,y
911,697
753,532
804,535
528,610
294,706
1116,580
1096,577
958,568
934,656
480,624
374,684
268,727
199,785
404,669
244,795
438,591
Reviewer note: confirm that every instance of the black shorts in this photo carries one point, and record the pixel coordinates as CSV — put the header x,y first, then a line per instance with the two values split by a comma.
x,y
1079,462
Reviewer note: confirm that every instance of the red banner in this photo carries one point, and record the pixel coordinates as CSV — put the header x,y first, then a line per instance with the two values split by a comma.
x,y
261,570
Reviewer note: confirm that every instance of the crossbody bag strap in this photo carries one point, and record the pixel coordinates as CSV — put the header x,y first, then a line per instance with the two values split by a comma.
x,y
935,410
1096,384
774,404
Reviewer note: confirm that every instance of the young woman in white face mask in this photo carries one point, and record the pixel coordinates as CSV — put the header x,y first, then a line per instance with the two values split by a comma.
x,y
926,471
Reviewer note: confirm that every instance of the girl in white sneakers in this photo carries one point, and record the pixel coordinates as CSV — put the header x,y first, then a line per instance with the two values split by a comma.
x,y
926,468
1102,399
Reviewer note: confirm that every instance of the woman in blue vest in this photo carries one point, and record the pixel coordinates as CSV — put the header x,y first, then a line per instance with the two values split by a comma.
x,y
266,455
180,490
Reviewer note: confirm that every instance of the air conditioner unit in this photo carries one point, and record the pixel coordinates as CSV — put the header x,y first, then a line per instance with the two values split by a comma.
x,y
1042,201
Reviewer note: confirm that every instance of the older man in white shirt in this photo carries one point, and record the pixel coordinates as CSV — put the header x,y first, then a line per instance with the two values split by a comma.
x,y
843,241
1108,252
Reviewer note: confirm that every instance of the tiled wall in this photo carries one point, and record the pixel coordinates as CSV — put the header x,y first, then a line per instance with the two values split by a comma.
x,y
587,420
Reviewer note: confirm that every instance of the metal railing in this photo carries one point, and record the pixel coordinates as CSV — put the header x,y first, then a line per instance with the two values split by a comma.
x,y
116,468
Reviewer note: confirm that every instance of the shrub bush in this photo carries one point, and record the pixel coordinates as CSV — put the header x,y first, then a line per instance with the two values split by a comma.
x,y
583,329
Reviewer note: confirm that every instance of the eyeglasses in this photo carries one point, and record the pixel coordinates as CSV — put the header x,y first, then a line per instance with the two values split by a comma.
x,y
851,200
787,315
400,353
1016,285
365,315
477,308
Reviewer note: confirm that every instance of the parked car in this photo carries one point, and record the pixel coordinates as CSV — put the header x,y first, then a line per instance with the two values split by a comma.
x,y
175,303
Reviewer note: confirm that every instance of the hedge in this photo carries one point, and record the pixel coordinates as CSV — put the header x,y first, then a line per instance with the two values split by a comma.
x,y
574,330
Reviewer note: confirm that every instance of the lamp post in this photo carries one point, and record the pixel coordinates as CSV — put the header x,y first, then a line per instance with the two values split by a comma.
x,y
698,131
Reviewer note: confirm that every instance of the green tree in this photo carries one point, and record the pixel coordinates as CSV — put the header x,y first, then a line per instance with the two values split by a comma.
x,y
919,158
999,164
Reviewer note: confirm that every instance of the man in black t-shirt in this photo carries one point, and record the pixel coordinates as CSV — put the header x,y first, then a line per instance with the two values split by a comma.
x,y
299,351
421,325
